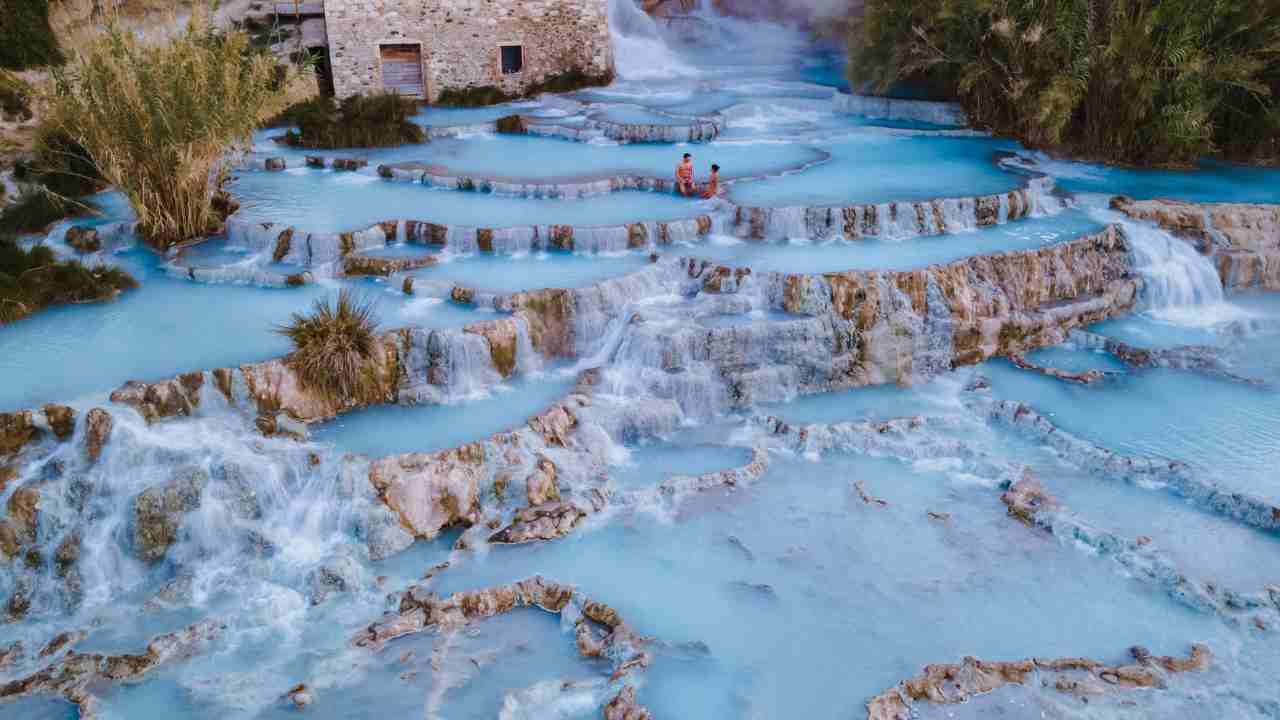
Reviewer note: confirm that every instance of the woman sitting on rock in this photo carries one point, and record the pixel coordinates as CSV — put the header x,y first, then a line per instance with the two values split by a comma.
x,y
713,184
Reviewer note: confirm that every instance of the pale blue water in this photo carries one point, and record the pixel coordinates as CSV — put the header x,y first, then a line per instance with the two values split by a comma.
x,y
637,115
1226,429
528,272
787,598
327,201
168,326
1212,181
648,465
543,158
397,429
766,624
837,255
878,167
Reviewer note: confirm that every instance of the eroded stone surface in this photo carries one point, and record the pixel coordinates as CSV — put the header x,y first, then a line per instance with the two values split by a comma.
x,y
956,683
98,426
1243,239
72,676
158,512
431,491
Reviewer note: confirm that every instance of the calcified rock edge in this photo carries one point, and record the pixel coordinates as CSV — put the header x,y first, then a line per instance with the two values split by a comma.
x,y
845,329
953,684
599,631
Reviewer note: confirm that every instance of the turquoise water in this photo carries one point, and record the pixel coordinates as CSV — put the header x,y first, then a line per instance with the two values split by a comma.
x,y
394,430
1212,182
837,255
861,554
528,272
168,326
877,167
544,159
327,201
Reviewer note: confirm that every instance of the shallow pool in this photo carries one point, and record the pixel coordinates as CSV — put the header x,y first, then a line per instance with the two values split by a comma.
x,y
328,201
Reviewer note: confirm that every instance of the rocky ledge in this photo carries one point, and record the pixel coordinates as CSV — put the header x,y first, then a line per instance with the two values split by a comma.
x,y
894,219
956,683
1242,239
73,675
599,630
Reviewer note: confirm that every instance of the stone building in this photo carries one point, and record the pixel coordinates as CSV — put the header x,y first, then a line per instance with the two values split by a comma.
x,y
424,47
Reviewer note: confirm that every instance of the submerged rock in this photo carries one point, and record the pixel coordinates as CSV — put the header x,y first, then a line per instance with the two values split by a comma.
x,y
158,512
71,676
624,706
83,239
1027,497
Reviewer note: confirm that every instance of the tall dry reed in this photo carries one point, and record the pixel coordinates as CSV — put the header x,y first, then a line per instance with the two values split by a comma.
x,y
158,119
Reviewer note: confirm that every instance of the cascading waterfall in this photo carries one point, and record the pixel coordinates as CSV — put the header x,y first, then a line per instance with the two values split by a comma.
x,y
640,51
1179,284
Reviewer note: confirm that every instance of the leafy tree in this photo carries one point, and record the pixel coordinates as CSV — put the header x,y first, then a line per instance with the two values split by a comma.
x,y
1152,82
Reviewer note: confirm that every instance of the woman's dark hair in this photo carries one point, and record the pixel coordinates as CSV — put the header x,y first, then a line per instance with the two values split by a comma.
x,y
687,156
716,168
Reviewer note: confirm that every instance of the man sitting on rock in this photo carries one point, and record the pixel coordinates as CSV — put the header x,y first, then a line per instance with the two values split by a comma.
x,y
713,184
684,177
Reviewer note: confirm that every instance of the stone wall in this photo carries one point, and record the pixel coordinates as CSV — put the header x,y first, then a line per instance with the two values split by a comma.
x,y
460,40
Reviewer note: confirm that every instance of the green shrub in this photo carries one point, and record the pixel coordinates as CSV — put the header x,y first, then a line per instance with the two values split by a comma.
x,y
333,346
157,120
63,165
35,210
378,120
33,278
1161,82
478,96
26,40
15,96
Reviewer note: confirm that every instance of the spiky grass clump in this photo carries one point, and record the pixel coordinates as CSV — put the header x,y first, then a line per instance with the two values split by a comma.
x,y
33,278
157,120
333,346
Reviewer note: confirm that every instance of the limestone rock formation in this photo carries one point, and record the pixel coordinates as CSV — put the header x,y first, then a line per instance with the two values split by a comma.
x,y
541,484
624,706
21,521
73,675
177,397
357,264
17,429
541,522
158,512
61,419
431,491
83,239
1243,239
98,426
503,339
1026,497
956,683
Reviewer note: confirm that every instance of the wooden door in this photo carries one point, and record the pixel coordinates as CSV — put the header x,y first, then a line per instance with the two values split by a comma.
x,y
402,69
